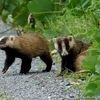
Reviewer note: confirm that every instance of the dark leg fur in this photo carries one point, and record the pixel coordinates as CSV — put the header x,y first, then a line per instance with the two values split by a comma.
x,y
48,61
26,65
9,60
67,64
63,65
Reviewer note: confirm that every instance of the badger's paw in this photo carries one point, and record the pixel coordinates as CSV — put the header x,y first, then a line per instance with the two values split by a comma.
x,y
21,73
46,70
4,71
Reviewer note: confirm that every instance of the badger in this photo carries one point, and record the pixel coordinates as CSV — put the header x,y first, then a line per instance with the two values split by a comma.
x,y
72,52
26,47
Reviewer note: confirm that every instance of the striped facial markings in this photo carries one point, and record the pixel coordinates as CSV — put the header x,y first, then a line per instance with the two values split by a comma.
x,y
64,51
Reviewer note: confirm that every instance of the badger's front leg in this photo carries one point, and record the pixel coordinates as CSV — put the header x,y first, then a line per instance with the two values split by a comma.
x,y
9,60
25,66
63,65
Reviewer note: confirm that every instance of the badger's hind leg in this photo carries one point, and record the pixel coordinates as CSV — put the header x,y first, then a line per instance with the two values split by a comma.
x,y
48,61
25,66
78,61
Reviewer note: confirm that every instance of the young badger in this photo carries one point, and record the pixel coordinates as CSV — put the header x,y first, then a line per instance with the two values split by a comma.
x,y
26,47
72,52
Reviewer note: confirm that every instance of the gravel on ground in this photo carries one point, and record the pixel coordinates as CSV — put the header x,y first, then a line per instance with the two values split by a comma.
x,y
35,85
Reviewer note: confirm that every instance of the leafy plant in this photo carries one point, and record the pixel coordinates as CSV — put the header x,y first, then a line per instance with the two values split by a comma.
x,y
80,18
92,63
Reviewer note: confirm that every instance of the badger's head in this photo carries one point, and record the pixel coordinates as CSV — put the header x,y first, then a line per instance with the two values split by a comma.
x,y
6,41
64,44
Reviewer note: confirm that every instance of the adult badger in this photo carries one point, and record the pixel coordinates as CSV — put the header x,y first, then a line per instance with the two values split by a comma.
x,y
72,52
26,47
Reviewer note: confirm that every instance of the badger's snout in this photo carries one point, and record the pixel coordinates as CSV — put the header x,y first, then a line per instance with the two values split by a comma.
x,y
64,53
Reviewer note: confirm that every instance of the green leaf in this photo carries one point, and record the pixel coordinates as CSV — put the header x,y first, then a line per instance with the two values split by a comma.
x,y
85,3
79,3
1,6
43,6
23,1
97,91
52,46
4,15
97,66
11,5
21,18
78,6
89,63
97,36
96,78
49,34
90,88
40,9
73,3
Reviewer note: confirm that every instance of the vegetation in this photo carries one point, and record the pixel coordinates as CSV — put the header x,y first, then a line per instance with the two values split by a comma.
x,y
80,18
4,96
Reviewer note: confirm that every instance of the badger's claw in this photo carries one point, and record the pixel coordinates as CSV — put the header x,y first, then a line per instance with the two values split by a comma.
x,y
46,70
4,71
21,73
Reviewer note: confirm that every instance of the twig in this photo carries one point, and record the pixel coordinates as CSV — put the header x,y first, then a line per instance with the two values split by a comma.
x,y
37,78
33,75
61,96
6,30
2,94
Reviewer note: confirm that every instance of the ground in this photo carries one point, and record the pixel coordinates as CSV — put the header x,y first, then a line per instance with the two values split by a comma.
x,y
35,85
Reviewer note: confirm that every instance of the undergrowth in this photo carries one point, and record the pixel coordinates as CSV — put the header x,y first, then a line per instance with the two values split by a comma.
x,y
79,18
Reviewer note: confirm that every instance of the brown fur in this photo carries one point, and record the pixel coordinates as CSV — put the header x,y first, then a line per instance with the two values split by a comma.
x,y
31,45
78,60
26,47
72,52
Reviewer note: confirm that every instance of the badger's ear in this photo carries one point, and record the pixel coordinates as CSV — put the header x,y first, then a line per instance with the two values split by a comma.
x,y
54,40
72,42
2,38
12,38
70,38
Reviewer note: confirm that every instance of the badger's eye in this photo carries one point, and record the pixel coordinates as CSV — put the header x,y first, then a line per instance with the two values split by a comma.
x,y
3,41
60,47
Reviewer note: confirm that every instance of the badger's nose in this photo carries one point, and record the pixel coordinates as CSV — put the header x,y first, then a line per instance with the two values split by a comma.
x,y
64,53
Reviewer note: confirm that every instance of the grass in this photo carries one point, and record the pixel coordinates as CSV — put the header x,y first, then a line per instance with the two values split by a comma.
x,y
4,96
